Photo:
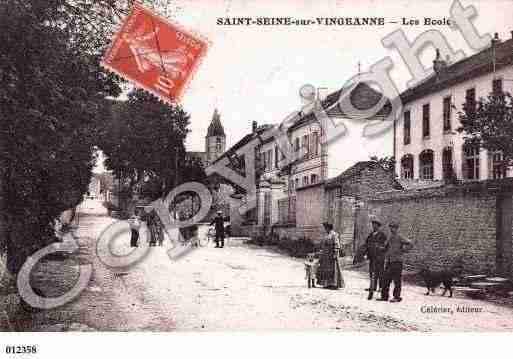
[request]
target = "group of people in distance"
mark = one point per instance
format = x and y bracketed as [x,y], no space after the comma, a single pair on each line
[155,228]
[385,255]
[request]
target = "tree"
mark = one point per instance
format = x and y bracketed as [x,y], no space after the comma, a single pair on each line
[388,163]
[52,89]
[489,124]
[144,145]
[52,100]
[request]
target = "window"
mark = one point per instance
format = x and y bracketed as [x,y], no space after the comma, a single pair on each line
[296,144]
[425,120]
[447,168]
[497,87]
[315,143]
[470,100]
[291,184]
[498,169]
[447,113]
[306,145]
[426,165]
[276,156]
[407,128]
[407,167]
[313,178]
[305,180]
[471,162]
[296,184]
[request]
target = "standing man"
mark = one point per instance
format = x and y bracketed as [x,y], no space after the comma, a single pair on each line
[396,247]
[375,252]
[218,221]
[135,224]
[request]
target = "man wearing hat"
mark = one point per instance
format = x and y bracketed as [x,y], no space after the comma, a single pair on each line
[218,221]
[396,247]
[375,252]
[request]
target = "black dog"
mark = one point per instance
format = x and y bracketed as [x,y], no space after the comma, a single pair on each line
[433,279]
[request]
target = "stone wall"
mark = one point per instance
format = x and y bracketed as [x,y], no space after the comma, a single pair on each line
[466,224]
[345,199]
[313,233]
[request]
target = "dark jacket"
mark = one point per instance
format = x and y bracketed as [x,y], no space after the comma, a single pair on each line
[396,247]
[376,246]
[218,221]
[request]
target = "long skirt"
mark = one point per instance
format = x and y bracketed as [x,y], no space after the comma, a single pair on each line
[134,238]
[330,272]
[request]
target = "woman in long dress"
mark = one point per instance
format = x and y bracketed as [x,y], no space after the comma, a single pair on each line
[330,267]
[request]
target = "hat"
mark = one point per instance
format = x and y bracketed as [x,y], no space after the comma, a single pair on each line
[375,219]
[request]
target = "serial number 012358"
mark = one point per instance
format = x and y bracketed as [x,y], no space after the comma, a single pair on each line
[21,349]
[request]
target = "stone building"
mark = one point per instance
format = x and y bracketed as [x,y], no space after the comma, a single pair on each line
[242,222]
[290,191]
[456,204]
[291,197]
[426,143]
[346,198]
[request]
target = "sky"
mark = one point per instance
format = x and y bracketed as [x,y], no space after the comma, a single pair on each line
[254,73]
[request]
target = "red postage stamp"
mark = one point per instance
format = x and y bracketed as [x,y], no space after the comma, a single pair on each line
[154,53]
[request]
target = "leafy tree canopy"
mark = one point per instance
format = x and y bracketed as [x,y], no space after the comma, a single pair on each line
[489,124]
[144,142]
[386,162]
[52,99]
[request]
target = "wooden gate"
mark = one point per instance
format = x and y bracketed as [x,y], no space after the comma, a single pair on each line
[351,221]
[345,219]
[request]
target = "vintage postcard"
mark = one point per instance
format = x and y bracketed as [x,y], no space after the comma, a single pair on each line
[223,166]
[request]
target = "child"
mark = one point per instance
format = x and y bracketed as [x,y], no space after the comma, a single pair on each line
[311,265]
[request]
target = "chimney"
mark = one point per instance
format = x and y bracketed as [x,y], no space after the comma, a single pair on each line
[511,32]
[438,63]
[255,126]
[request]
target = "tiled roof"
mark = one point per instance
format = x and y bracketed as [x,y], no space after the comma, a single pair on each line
[351,172]
[215,128]
[468,68]
[362,97]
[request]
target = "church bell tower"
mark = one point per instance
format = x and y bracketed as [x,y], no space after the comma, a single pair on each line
[215,141]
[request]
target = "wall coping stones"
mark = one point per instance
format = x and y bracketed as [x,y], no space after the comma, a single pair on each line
[476,188]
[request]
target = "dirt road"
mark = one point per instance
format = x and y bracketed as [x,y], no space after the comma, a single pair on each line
[240,287]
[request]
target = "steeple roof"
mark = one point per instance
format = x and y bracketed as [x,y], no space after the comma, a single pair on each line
[215,128]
